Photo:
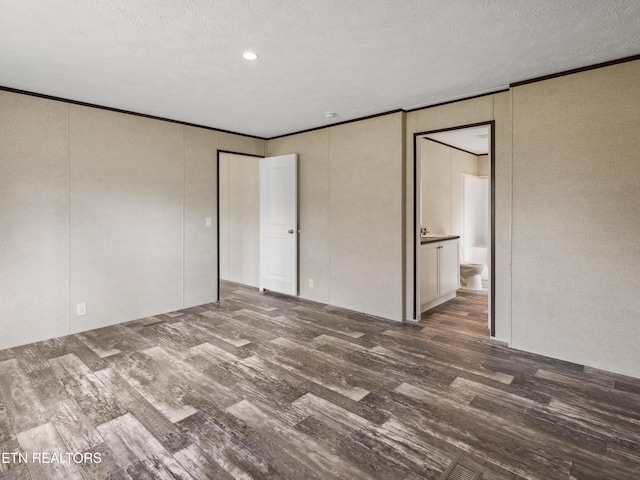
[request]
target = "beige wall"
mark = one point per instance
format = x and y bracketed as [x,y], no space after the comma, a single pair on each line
[240,219]
[350,208]
[483,166]
[576,198]
[365,176]
[200,259]
[126,180]
[106,209]
[34,219]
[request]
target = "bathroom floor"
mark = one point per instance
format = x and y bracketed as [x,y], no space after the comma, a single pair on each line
[468,313]
[484,291]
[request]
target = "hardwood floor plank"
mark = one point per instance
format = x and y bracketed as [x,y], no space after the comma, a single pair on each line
[106,469]
[199,466]
[254,380]
[373,464]
[49,388]
[502,445]
[317,461]
[96,401]
[407,454]
[40,444]
[16,472]
[303,384]
[161,390]
[119,387]
[77,431]
[68,365]
[19,396]
[132,445]
[222,440]
[358,373]
[30,358]
[99,342]
[167,433]
[625,405]
[191,378]
[333,380]
[8,442]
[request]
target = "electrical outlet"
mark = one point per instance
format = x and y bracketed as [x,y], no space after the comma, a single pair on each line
[311,283]
[208,221]
[81,309]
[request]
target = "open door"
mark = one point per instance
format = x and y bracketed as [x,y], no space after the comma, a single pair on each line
[279,224]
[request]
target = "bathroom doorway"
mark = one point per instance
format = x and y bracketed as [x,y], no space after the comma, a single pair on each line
[454,200]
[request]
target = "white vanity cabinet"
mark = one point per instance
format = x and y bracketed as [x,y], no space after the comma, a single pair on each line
[439,272]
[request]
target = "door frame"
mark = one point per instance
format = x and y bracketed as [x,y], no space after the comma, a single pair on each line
[218,152]
[416,226]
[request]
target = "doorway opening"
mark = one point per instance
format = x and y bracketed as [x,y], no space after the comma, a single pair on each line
[454,208]
[257,221]
[238,218]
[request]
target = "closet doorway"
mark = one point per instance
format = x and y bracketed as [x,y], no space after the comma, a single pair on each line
[238,218]
[258,221]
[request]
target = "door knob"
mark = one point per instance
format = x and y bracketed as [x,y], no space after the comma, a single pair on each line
[291,232]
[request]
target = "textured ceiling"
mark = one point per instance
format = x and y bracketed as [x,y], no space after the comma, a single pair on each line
[473,139]
[182,59]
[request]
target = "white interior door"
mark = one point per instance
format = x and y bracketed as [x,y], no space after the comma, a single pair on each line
[279,224]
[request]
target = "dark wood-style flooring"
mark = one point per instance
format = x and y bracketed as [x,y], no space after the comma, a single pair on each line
[267,387]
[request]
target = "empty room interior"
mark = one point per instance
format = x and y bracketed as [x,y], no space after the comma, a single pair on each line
[320,240]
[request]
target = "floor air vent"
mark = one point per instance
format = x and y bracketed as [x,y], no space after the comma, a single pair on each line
[458,471]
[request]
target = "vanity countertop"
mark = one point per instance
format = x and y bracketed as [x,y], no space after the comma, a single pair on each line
[437,238]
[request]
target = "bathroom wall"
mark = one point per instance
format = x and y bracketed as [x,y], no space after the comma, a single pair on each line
[106,209]
[461,162]
[435,188]
[483,165]
[240,219]
[441,172]
[475,235]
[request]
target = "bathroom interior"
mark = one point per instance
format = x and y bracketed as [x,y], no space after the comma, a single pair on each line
[455,201]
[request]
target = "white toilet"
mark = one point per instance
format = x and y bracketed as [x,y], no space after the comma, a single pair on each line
[472,266]
[471,275]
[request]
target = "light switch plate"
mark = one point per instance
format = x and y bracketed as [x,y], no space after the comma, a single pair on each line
[81,309]
[209,222]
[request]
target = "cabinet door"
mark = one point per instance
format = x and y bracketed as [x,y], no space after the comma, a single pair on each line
[428,272]
[449,267]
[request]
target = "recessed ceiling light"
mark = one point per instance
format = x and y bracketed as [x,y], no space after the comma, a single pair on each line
[330,115]
[250,55]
